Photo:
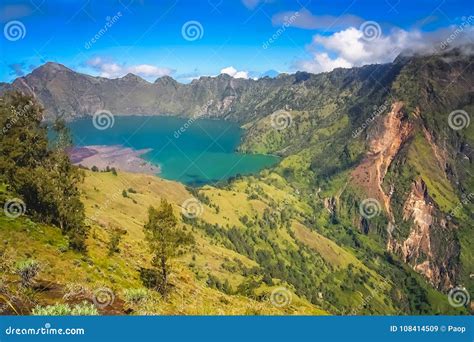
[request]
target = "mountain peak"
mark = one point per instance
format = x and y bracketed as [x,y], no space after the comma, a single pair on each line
[53,66]
[132,77]
[165,80]
[270,73]
[224,76]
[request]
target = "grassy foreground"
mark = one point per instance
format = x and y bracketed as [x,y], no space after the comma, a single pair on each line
[70,277]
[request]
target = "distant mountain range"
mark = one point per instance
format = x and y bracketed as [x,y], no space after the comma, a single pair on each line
[69,94]
[384,133]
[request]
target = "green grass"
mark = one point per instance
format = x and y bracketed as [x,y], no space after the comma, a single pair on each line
[422,158]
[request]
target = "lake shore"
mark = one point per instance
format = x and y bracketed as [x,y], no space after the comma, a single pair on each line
[116,156]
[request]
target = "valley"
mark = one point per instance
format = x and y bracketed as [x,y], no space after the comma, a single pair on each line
[316,220]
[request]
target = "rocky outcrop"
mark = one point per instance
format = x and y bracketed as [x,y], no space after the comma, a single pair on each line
[431,247]
[386,140]
[330,204]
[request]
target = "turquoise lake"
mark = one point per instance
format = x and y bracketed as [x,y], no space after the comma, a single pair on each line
[204,153]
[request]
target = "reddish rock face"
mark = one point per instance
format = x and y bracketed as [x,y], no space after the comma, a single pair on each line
[430,247]
[390,135]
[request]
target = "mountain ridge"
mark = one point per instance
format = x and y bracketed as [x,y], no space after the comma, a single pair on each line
[216,96]
[378,135]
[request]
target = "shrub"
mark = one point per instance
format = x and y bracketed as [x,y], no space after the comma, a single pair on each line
[82,309]
[114,241]
[27,269]
[135,296]
[150,277]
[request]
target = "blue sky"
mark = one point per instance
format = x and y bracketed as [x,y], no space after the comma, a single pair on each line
[242,38]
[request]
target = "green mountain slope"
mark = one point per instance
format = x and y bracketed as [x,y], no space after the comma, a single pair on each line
[369,211]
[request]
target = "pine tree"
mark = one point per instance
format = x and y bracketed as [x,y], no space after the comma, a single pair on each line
[38,169]
[165,241]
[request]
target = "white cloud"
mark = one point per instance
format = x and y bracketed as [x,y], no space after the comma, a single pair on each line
[111,69]
[322,63]
[349,47]
[147,70]
[306,20]
[231,71]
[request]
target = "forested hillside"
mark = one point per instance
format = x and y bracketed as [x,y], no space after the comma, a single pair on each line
[369,211]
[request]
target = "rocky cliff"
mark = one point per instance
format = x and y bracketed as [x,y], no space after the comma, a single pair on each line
[381,132]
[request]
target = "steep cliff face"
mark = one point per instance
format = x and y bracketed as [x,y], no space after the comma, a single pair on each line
[386,140]
[431,247]
[407,157]
[418,166]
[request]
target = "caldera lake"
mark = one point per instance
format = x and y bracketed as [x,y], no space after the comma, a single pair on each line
[193,152]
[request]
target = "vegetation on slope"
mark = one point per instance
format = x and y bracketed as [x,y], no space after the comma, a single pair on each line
[293,233]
